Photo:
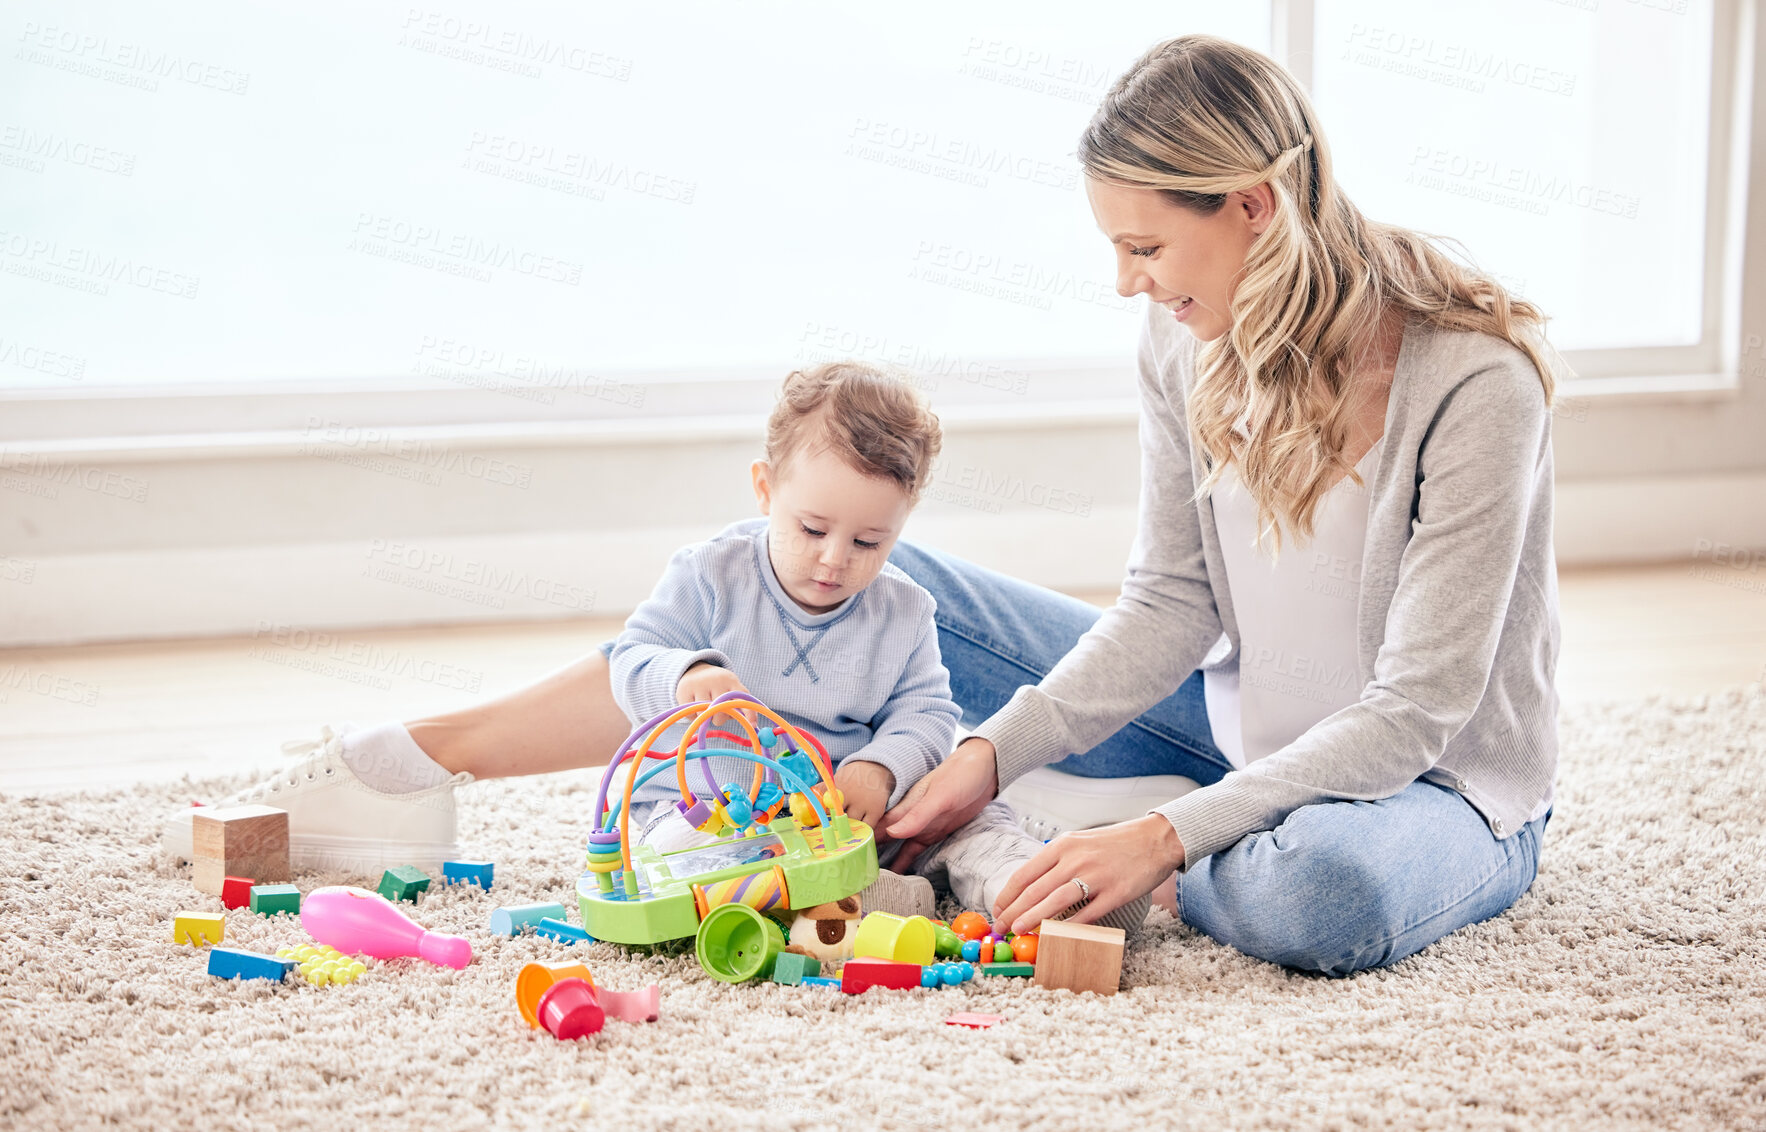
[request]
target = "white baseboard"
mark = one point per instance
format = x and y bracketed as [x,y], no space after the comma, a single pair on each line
[232,591]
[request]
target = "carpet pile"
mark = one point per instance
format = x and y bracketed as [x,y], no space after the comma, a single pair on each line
[1623,991]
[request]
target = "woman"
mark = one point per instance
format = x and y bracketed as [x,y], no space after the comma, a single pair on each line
[1340,612]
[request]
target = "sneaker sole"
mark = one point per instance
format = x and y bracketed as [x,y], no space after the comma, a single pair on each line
[366,855]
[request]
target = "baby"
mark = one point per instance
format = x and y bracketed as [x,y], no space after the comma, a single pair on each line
[801,610]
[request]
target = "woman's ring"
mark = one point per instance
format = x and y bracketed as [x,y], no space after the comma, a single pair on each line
[1084,890]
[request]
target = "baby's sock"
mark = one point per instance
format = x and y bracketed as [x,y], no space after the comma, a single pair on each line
[388,759]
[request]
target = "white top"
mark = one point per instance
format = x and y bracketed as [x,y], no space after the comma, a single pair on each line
[1297,621]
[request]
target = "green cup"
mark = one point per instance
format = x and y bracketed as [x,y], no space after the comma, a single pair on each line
[735,943]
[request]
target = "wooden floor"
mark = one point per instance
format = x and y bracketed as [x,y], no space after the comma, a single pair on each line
[108,715]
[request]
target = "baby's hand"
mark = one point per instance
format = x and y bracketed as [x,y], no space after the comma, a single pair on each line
[866,787]
[708,681]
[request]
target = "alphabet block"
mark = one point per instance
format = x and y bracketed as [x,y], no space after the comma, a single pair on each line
[236,892]
[1079,957]
[242,841]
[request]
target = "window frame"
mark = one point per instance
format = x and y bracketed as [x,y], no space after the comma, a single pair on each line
[203,414]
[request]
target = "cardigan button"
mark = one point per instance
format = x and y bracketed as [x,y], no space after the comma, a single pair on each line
[1498,825]
[1459,784]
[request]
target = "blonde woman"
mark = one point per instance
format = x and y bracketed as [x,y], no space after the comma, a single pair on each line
[1340,615]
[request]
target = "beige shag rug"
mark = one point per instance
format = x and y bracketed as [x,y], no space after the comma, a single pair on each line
[1626,990]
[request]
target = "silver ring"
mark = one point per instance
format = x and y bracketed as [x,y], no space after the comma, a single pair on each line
[1084,890]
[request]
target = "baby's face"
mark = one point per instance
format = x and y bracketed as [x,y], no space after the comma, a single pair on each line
[831,527]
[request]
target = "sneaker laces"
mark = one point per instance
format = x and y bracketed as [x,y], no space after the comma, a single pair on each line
[1040,828]
[318,753]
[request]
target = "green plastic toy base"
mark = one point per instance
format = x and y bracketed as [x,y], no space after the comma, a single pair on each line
[668,911]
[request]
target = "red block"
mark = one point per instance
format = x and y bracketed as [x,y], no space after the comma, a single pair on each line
[974,1021]
[860,975]
[236,892]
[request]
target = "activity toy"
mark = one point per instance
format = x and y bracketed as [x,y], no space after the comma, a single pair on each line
[357,921]
[275,899]
[232,963]
[244,841]
[784,843]
[1079,957]
[403,882]
[511,919]
[198,929]
[468,872]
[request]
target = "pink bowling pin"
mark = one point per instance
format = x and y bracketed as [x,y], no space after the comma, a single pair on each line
[356,921]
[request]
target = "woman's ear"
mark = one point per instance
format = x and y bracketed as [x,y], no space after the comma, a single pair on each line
[762,472]
[1257,203]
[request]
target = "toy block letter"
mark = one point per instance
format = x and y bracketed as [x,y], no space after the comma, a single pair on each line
[1079,957]
[242,841]
[198,929]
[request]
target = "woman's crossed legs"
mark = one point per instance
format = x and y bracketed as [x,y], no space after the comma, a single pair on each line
[1337,887]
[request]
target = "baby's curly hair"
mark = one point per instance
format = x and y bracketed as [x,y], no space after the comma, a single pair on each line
[874,420]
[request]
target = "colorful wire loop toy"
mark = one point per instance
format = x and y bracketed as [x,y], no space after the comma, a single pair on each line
[785,842]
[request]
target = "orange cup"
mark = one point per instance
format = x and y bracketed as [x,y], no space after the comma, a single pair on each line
[536,979]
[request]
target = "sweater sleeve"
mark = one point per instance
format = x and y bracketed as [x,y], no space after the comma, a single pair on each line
[918,723]
[1163,623]
[1476,468]
[666,635]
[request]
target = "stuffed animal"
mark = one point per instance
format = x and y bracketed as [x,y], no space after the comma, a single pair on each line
[827,931]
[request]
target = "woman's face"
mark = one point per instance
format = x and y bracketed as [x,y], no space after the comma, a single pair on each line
[1172,254]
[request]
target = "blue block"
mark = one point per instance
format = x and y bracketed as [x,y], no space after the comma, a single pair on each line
[511,919]
[232,963]
[561,931]
[819,981]
[468,872]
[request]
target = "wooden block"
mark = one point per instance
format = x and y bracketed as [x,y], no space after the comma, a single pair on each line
[468,872]
[236,892]
[974,1021]
[791,968]
[275,899]
[860,975]
[403,882]
[1079,957]
[199,929]
[242,841]
[232,963]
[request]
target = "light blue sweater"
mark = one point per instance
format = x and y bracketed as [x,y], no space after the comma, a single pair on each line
[864,678]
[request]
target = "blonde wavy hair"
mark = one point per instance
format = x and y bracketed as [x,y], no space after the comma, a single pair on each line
[1198,117]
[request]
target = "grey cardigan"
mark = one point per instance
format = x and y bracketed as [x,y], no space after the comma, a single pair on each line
[1457,614]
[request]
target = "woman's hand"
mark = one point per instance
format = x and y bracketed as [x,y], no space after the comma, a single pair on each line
[937,805]
[865,788]
[1118,862]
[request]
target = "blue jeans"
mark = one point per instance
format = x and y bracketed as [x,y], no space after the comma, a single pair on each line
[1337,887]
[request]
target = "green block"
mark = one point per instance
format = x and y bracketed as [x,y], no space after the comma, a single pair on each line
[271,899]
[791,968]
[1016,970]
[403,882]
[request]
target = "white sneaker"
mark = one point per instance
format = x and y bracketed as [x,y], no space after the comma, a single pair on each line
[337,822]
[1050,802]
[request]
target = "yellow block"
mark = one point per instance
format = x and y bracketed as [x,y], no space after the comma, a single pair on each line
[199,929]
